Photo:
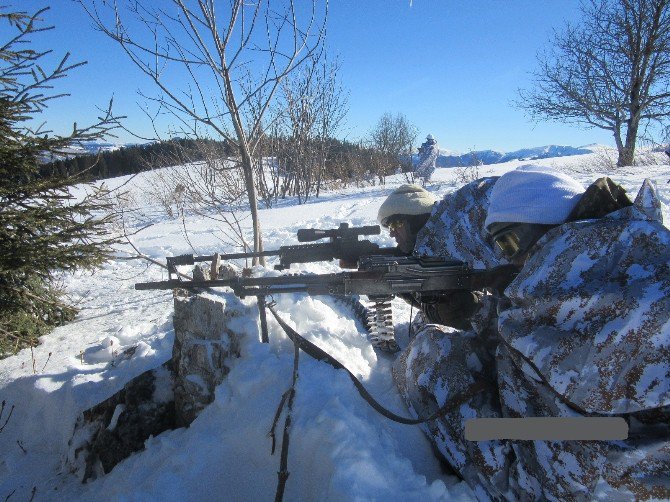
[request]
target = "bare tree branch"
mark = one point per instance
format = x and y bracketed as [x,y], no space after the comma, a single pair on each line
[216,49]
[611,72]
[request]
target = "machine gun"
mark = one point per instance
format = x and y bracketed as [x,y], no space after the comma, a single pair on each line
[378,277]
[343,244]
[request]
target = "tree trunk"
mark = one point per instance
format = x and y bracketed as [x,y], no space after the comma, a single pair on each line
[247,168]
[627,150]
[318,178]
[626,157]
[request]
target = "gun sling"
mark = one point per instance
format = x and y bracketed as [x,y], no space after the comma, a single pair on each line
[320,355]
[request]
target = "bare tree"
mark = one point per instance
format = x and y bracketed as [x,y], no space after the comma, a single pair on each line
[610,72]
[392,140]
[349,163]
[208,185]
[296,154]
[312,107]
[233,58]
[332,103]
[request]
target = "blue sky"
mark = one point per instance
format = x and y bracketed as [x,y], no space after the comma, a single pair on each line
[451,66]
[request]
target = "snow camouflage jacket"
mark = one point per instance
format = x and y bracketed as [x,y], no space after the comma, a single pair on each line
[455,229]
[441,362]
[428,153]
[586,333]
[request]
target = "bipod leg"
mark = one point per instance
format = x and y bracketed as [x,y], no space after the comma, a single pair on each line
[264,322]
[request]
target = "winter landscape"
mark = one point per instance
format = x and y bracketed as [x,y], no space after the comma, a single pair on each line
[341,449]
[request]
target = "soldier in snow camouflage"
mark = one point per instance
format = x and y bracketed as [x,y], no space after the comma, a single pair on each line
[442,361]
[587,333]
[411,214]
[583,330]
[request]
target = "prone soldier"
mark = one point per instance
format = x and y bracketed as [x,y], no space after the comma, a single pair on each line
[582,331]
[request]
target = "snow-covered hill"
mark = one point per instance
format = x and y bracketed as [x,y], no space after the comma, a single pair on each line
[485,157]
[86,148]
[340,448]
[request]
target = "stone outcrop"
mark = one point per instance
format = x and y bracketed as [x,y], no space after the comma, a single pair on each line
[166,397]
[204,347]
[117,427]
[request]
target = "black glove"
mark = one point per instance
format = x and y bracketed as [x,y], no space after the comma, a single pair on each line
[454,308]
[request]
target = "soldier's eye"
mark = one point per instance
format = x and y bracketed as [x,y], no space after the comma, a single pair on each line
[508,243]
[395,225]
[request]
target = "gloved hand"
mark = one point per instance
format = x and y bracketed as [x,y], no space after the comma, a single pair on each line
[454,308]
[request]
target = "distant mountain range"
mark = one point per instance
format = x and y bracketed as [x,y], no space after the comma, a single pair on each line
[482,157]
[86,148]
[96,146]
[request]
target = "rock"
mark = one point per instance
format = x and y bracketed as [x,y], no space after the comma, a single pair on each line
[201,273]
[114,429]
[166,397]
[228,271]
[203,347]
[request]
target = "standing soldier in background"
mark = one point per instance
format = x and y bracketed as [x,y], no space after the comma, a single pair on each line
[428,153]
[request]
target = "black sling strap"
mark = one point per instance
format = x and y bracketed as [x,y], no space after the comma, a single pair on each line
[320,355]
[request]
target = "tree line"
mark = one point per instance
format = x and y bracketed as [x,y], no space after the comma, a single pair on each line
[131,159]
[296,163]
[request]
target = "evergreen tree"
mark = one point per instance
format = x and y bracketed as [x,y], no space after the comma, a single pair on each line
[43,229]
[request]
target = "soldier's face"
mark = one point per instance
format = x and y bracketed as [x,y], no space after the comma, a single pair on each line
[403,236]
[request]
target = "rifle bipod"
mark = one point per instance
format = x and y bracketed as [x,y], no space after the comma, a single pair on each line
[262,303]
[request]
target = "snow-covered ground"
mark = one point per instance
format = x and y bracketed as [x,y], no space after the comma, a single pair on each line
[340,448]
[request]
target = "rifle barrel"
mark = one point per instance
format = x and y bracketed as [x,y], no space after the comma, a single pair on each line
[233,256]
